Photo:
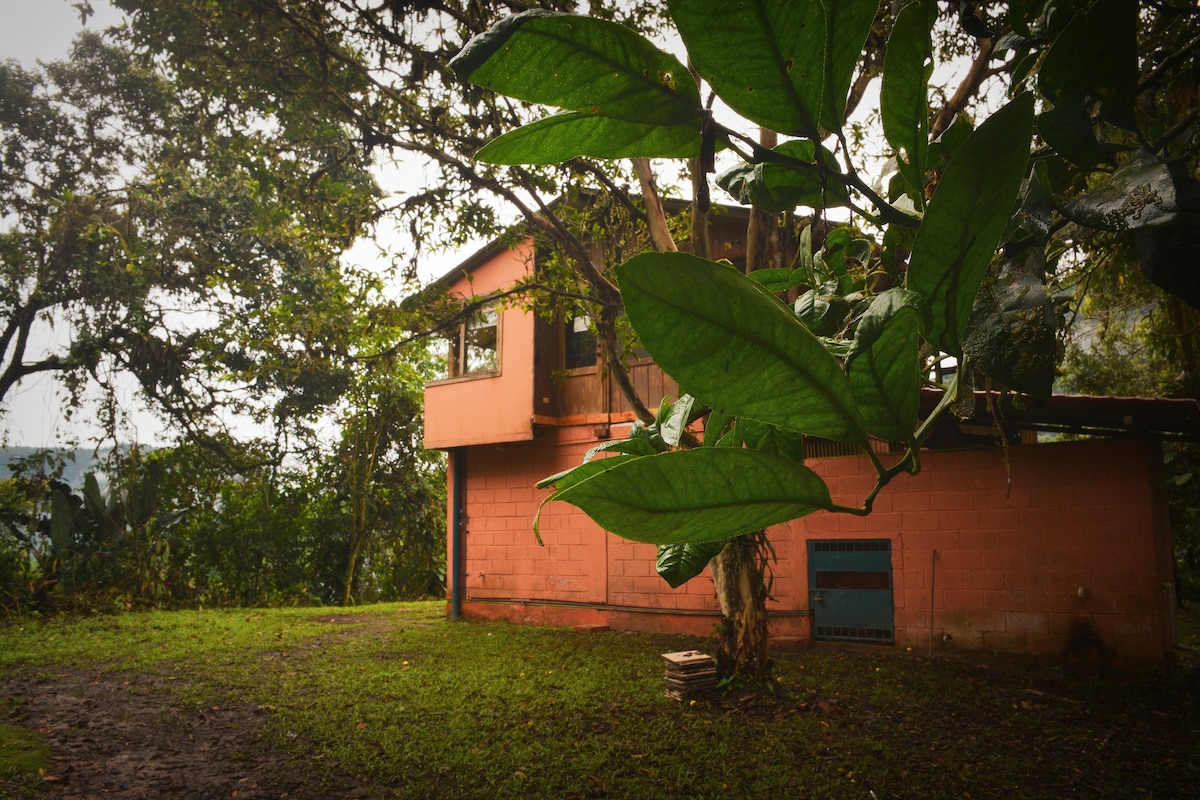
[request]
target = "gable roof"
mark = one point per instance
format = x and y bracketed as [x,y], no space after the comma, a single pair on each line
[502,243]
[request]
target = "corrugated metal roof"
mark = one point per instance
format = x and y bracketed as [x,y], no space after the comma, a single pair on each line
[1163,418]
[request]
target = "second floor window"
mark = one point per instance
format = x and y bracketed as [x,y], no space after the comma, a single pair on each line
[473,347]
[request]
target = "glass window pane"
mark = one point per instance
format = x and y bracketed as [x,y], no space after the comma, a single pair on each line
[482,341]
[829,579]
[580,344]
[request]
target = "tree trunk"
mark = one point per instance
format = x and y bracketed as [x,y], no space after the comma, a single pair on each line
[762,234]
[660,234]
[351,564]
[739,576]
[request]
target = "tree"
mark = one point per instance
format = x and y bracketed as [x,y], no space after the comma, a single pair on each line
[964,235]
[380,70]
[195,248]
[193,237]
[388,494]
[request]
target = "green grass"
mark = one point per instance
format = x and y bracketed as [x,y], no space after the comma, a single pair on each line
[141,640]
[425,708]
[23,758]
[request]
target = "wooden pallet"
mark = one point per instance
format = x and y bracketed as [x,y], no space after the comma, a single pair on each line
[689,672]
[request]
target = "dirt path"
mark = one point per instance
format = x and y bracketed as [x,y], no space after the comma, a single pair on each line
[121,735]
[124,735]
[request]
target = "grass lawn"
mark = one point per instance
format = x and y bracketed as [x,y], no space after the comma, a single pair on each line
[414,706]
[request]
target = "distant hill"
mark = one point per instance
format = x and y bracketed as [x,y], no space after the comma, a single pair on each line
[78,462]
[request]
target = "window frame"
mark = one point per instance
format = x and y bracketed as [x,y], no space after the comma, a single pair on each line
[568,329]
[459,344]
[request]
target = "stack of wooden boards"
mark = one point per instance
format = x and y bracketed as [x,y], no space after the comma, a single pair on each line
[689,672]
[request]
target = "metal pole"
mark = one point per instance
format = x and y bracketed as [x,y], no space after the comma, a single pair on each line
[458,520]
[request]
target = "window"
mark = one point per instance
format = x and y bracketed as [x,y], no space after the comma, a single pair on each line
[579,343]
[473,347]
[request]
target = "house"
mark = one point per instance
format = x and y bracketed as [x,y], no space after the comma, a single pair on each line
[1032,547]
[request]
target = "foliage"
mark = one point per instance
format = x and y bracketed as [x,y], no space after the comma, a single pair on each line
[91,549]
[190,229]
[380,71]
[387,501]
[963,232]
[745,354]
[194,248]
[179,528]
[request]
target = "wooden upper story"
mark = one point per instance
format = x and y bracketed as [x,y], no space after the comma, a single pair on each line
[509,370]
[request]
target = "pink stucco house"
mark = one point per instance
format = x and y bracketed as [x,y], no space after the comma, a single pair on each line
[1037,549]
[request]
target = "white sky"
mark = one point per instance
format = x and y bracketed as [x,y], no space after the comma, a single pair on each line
[43,29]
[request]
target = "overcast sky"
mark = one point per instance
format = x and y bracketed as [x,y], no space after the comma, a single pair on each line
[42,29]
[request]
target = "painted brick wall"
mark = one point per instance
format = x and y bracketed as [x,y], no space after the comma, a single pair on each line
[579,564]
[1005,549]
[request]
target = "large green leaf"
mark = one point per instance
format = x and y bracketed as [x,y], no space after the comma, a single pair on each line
[565,136]
[1160,204]
[771,439]
[1095,58]
[92,496]
[581,64]
[679,563]
[60,521]
[1068,129]
[673,418]
[1012,334]
[884,365]
[785,64]
[699,495]
[822,310]
[966,217]
[903,106]
[778,187]
[590,467]
[633,446]
[732,345]
[1143,192]
[779,279]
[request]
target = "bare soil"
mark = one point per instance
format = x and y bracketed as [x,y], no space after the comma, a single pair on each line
[122,736]
[126,736]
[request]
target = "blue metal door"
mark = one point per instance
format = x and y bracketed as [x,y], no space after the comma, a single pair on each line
[850,590]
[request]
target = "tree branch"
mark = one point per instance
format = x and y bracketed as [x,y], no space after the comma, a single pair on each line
[967,89]
[660,234]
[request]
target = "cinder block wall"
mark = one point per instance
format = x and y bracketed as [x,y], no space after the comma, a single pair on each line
[1006,549]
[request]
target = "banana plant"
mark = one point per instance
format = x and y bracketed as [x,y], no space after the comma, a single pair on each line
[121,532]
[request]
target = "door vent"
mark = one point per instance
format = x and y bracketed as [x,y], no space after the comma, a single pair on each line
[853,546]
[854,634]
